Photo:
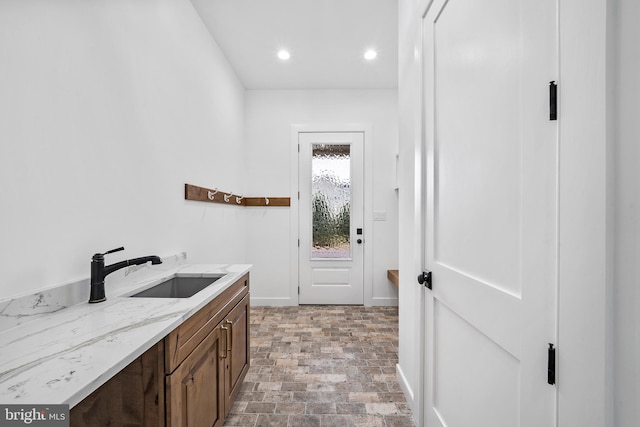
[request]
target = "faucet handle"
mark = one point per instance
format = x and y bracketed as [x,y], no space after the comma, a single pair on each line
[121,248]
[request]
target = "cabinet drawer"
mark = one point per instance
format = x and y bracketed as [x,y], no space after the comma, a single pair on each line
[186,337]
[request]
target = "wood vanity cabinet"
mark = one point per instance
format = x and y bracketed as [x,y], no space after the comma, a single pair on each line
[189,379]
[201,388]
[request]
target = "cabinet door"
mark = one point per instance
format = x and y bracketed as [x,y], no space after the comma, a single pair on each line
[237,361]
[195,390]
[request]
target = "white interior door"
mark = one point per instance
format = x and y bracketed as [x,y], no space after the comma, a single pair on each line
[491,212]
[331,218]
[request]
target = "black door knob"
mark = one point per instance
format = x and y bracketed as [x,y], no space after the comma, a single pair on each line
[424,278]
[359,241]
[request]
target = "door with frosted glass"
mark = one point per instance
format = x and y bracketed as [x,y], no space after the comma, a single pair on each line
[331,218]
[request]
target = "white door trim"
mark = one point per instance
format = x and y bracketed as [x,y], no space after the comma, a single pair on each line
[586,217]
[368,202]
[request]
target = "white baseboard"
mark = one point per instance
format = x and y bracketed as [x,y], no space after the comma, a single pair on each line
[286,302]
[272,302]
[384,302]
[404,385]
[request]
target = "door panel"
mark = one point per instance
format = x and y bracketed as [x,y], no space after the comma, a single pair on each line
[491,211]
[331,276]
[331,213]
[469,298]
[495,372]
[477,63]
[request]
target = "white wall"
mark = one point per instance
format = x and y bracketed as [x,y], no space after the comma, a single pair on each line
[269,117]
[627,234]
[107,108]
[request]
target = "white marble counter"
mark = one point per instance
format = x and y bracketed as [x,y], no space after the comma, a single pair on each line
[63,356]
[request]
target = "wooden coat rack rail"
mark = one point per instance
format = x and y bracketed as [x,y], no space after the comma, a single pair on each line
[202,194]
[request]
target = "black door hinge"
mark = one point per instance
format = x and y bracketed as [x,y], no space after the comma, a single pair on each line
[553,101]
[424,278]
[551,365]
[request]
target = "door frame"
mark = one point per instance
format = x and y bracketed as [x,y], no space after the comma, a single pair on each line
[294,230]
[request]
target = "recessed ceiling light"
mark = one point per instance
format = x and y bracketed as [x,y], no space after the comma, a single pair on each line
[284,54]
[370,55]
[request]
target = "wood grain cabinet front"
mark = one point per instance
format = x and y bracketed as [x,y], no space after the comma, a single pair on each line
[133,397]
[188,379]
[195,390]
[202,389]
[236,326]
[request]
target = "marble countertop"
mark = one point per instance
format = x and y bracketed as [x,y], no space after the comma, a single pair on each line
[61,357]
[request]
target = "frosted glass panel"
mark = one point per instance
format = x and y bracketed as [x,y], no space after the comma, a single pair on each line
[331,200]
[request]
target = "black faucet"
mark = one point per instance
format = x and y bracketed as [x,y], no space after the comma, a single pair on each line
[99,271]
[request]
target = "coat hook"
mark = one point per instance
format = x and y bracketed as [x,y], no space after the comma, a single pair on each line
[211,195]
[227,197]
[266,201]
[239,199]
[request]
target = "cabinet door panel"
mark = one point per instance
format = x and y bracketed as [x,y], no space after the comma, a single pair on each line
[195,396]
[237,362]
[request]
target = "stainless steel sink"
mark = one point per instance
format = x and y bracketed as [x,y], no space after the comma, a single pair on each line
[179,287]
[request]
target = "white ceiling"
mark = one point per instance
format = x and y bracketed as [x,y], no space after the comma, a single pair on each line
[326,38]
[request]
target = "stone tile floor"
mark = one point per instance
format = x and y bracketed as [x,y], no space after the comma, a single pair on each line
[321,366]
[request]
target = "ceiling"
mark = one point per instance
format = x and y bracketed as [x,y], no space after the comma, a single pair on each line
[326,38]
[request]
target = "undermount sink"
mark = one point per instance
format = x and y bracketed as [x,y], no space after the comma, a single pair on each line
[178,287]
